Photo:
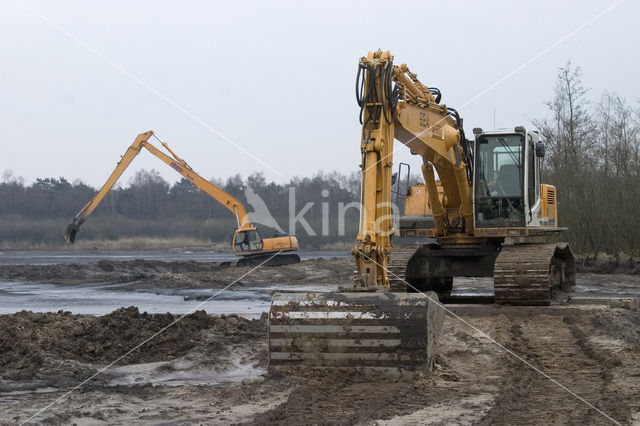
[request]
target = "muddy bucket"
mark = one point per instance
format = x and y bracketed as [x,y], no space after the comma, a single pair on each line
[393,334]
[70,233]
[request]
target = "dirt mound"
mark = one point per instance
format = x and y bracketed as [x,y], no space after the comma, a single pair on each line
[620,326]
[345,400]
[28,340]
[157,266]
[182,274]
[337,271]
[104,271]
[608,265]
[51,273]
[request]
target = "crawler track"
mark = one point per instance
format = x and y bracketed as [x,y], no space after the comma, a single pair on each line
[397,266]
[534,274]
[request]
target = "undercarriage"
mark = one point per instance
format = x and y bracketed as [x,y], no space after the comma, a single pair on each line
[523,273]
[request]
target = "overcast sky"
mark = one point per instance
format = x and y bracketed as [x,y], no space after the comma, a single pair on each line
[276,78]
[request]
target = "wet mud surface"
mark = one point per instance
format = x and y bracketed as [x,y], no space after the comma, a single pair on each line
[211,369]
[31,342]
[590,350]
[142,273]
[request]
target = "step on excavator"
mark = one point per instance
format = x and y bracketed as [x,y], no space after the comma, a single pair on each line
[247,243]
[487,215]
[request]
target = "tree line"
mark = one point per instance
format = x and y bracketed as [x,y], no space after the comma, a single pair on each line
[593,158]
[149,206]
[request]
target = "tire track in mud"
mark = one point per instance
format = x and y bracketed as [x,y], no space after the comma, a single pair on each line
[527,397]
[341,400]
[517,380]
[613,339]
[566,346]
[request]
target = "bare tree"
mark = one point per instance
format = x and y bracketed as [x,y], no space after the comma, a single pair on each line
[594,159]
[570,134]
[619,175]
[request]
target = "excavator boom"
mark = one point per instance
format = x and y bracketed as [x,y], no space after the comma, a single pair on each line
[255,249]
[176,163]
[366,328]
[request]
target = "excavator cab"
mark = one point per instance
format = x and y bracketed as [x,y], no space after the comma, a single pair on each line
[507,178]
[254,250]
[246,241]
[499,180]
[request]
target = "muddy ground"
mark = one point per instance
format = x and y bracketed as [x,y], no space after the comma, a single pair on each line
[593,351]
[158,274]
[212,369]
[621,277]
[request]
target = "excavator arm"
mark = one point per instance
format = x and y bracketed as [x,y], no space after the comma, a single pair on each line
[360,329]
[176,163]
[409,112]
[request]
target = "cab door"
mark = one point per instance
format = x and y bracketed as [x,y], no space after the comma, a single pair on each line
[499,180]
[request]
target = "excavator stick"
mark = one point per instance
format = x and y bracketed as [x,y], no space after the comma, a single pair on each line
[393,334]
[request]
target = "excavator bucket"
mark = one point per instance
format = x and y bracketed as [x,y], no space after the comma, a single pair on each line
[393,334]
[70,233]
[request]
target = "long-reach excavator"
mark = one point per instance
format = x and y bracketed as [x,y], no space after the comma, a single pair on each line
[487,215]
[247,242]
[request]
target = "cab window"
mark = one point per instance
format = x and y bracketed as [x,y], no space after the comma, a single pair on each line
[248,241]
[499,181]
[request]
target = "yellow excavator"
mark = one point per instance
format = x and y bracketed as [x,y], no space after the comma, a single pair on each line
[485,215]
[247,242]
